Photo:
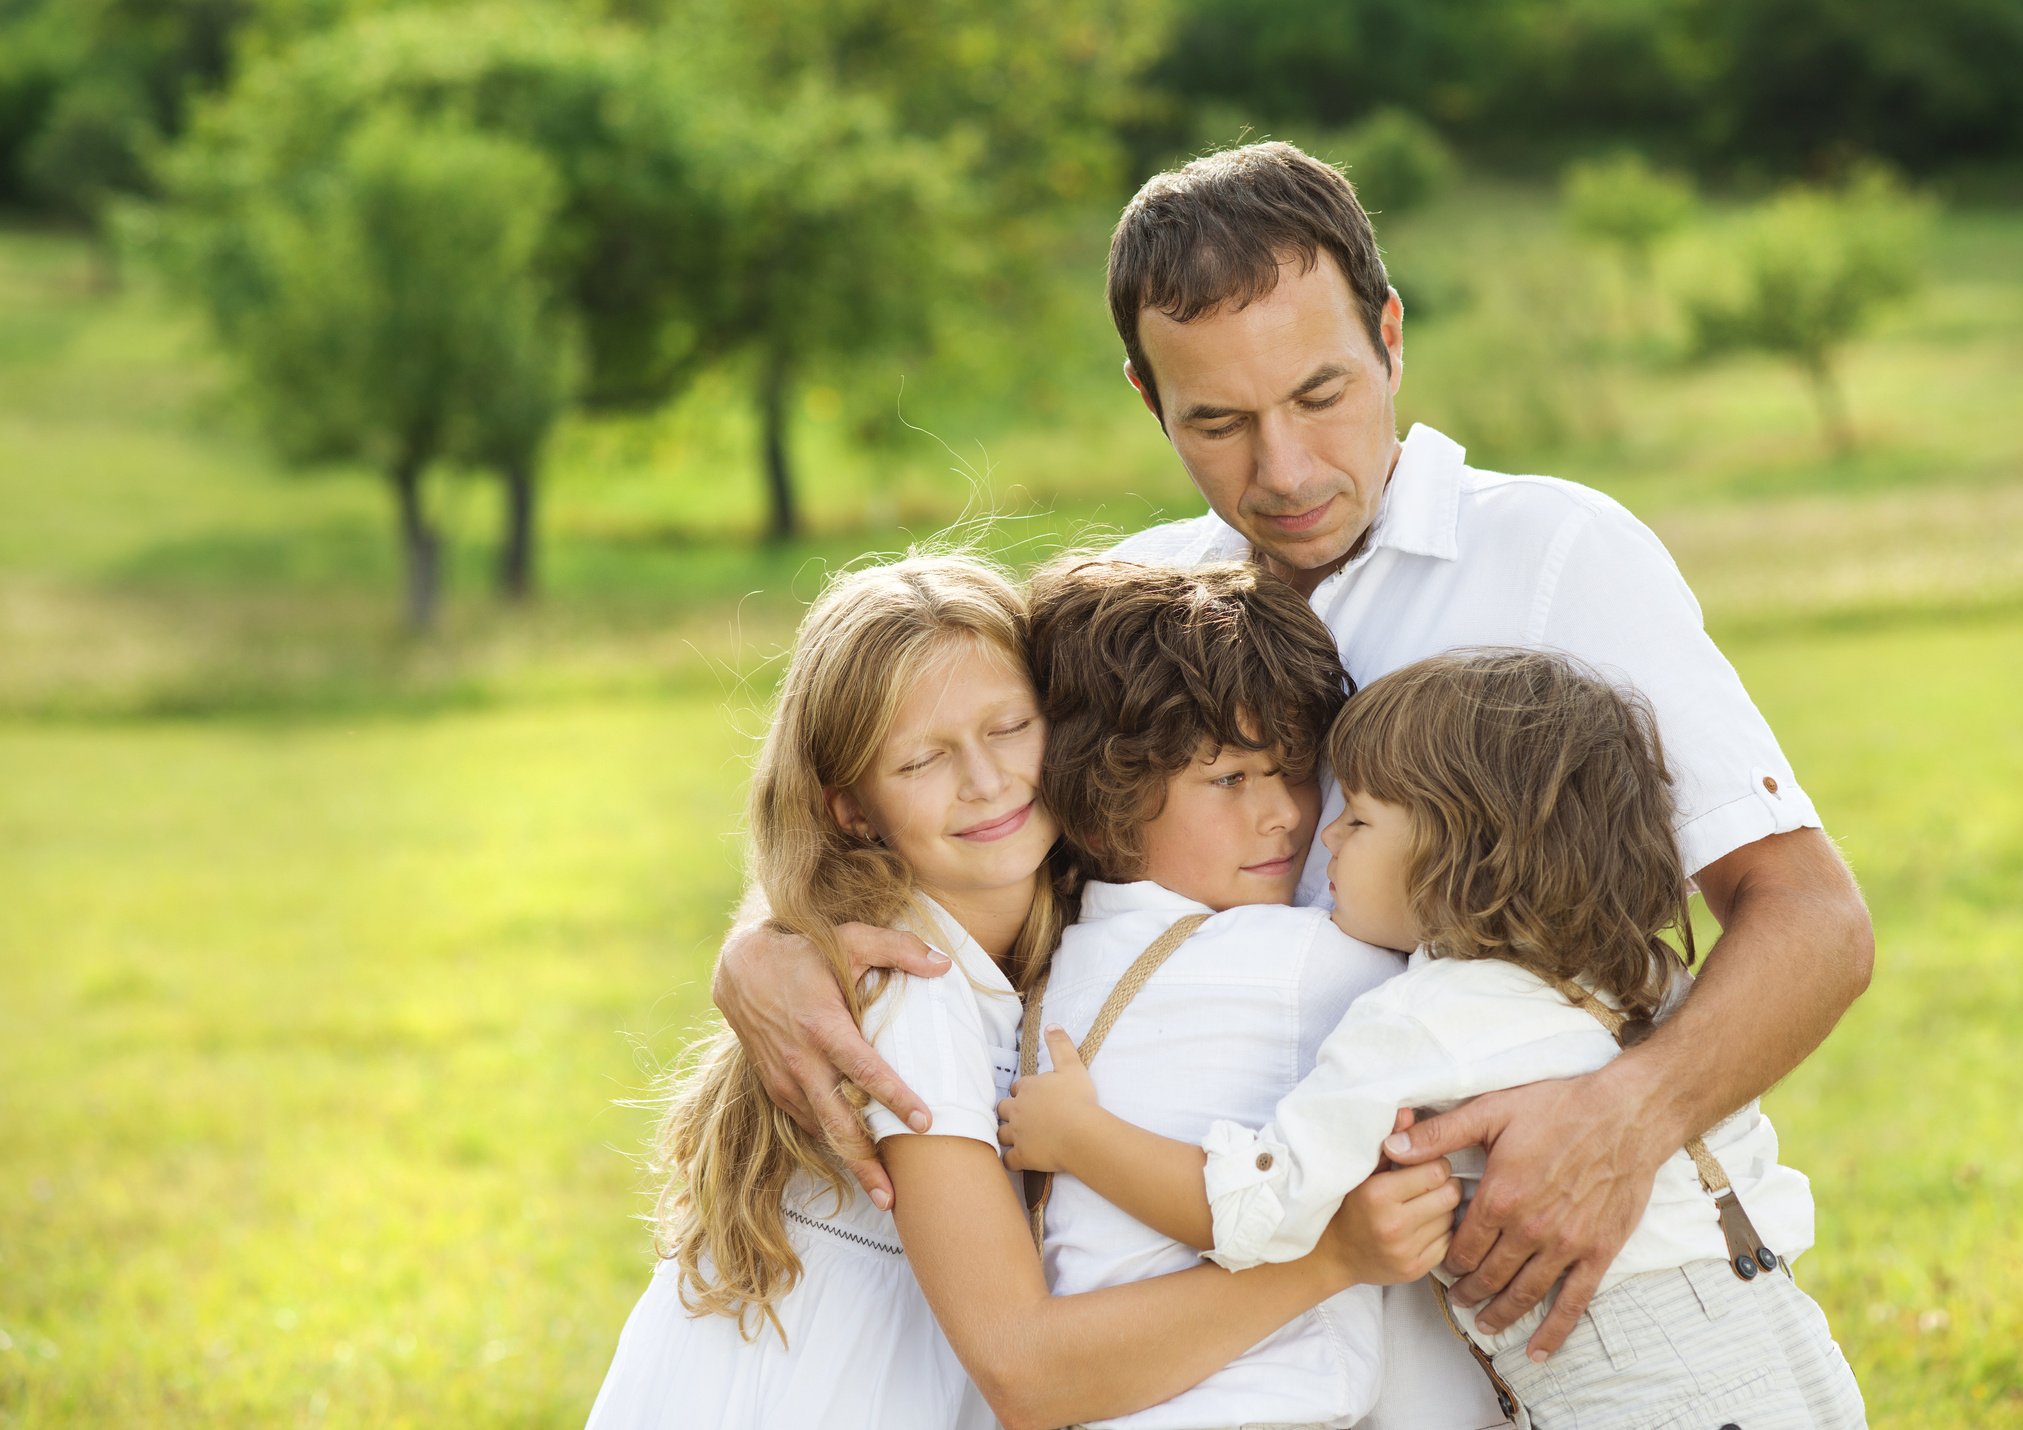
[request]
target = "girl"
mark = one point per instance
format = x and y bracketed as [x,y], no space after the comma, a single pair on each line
[1509,818]
[898,784]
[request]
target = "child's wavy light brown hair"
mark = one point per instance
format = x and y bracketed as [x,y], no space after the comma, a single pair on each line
[1140,667]
[1542,816]
[728,1152]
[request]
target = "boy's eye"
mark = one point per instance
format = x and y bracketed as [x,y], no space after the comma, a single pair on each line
[915,766]
[1230,781]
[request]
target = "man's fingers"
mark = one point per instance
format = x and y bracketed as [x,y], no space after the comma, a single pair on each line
[1504,1261]
[1532,1284]
[869,947]
[845,1134]
[1468,1125]
[1581,1284]
[843,1044]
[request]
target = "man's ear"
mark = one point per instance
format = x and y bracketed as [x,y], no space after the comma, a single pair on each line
[1144,393]
[848,814]
[1393,328]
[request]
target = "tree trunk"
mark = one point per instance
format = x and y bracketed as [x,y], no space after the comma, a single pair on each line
[421,550]
[1832,405]
[783,521]
[516,551]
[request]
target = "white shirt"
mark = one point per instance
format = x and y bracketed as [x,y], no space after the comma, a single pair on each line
[1440,1033]
[955,1042]
[1460,557]
[1226,1027]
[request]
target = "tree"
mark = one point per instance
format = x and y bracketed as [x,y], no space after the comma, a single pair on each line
[1802,275]
[785,186]
[392,308]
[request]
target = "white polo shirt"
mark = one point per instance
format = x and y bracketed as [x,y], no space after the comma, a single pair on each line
[1460,557]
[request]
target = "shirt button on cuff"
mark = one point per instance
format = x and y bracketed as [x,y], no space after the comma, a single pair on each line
[1770,783]
[1264,1161]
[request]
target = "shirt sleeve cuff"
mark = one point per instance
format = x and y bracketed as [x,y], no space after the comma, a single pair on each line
[948,1122]
[1243,1175]
[1774,804]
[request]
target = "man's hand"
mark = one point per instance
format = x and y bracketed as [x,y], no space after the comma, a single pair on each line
[1038,1122]
[777,994]
[1395,1226]
[1571,1164]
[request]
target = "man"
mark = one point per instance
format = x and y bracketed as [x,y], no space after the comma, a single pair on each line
[1262,333]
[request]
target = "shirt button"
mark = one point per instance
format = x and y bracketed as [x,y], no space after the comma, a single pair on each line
[1770,784]
[1264,1161]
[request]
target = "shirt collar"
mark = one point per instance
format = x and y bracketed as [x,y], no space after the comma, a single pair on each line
[1105,901]
[951,938]
[1422,501]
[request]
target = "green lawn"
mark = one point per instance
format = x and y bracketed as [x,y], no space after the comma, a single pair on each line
[328,958]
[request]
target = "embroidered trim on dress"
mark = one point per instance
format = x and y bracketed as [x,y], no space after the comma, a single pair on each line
[837,1231]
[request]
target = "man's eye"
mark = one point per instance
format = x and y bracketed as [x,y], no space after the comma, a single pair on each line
[1319,404]
[1227,429]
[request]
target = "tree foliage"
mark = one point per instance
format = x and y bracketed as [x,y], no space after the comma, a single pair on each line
[393,308]
[1801,275]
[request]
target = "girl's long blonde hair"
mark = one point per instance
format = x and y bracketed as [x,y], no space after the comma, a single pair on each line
[727,1151]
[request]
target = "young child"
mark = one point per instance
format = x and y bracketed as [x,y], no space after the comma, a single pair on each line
[1509,818]
[1186,712]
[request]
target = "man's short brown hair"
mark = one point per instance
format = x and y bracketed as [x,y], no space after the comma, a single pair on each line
[1216,231]
[1139,668]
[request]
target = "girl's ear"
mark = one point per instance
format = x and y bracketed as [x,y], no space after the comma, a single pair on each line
[848,814]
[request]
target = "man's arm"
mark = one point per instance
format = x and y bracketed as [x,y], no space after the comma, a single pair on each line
[776,992]
[1571,1163]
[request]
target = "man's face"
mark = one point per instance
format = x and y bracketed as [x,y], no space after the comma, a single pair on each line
[1282,414]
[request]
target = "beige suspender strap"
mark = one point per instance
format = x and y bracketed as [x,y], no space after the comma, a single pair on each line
[1747,1254]
[1040,1185]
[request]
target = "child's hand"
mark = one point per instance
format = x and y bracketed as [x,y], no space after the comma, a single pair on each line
[1038,1122]
[1395,1226]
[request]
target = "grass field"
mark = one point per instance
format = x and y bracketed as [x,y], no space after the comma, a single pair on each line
[327,957]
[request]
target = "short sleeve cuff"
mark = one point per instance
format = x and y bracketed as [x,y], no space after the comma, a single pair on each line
[951,1121]
[1243,1174]
[1774,804]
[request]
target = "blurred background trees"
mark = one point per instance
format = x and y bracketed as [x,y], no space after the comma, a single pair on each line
[807,200]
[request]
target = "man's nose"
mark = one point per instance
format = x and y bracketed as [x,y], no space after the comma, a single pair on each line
[1283,463]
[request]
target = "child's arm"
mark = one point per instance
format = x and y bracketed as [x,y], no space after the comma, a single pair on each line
[1053,1123]
[1046,1360]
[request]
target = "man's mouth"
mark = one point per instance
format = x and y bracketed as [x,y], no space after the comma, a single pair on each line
[1300,521]
[998,828]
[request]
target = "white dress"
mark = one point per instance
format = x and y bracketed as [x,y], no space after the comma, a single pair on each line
[862,1350]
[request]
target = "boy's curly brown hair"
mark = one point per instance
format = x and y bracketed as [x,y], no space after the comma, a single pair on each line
[1542,815]
[1139,668]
